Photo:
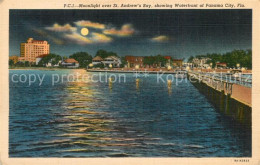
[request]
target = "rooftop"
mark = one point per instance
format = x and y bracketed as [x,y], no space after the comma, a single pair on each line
[177,59]
[97,58]
[112,57]
[43,55]
[71,60]
[167,57]
[37,41]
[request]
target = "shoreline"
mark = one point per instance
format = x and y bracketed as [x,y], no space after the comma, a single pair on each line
[42,68]
[132,71]
[128,70]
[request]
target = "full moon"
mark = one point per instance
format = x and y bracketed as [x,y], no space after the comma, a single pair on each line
[84,31]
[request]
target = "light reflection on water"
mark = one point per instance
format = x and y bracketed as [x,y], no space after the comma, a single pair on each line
[144,118]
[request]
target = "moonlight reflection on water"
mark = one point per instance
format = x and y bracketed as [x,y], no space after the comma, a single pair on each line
[144,119]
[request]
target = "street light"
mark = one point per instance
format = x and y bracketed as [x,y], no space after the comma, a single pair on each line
[110,65]
[238,65]
[187,68]
[169,67]
[90,65]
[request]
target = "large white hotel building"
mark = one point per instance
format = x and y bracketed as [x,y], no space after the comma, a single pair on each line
[32,49]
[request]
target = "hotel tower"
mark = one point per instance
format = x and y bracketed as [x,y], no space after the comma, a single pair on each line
[32,49]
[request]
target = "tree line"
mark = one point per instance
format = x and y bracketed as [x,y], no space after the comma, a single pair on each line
[242,57]
[83,58]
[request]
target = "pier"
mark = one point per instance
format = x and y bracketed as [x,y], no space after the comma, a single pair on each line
[230,98]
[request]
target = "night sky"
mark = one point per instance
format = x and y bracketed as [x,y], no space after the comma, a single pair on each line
[178,33]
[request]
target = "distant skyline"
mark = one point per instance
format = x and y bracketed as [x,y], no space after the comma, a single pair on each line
[177,33]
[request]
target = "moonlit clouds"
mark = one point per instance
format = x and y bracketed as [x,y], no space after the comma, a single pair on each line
[47,35]
[77,38]
[94,38]
[126,30]
[96,25]
[100,38]
[161,38]
[61,28]
[98,32]
[143,39]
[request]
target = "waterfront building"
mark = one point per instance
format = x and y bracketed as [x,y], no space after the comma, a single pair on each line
[132,61]
[221,65]
[97,60]
[14,58]
[32,49]
[200,62]
[70,63]
[187,64]
[169,60]
[39,58]
[113,60]
[49,64]
[177,62]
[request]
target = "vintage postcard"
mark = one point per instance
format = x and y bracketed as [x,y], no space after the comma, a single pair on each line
[129,82]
